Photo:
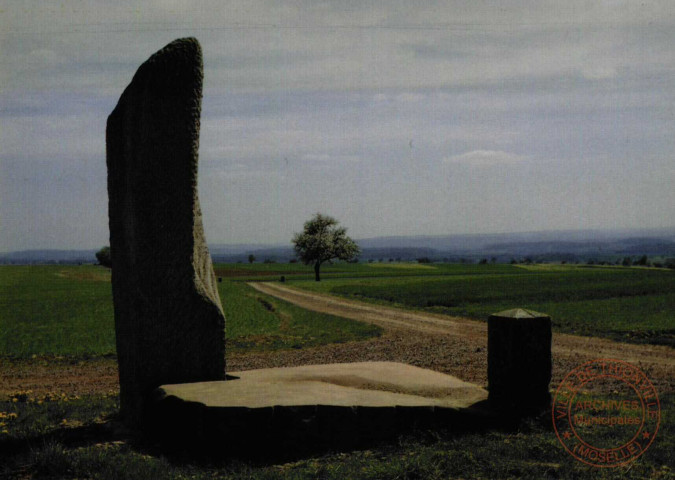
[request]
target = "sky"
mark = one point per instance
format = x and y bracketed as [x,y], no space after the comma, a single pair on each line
[395,117]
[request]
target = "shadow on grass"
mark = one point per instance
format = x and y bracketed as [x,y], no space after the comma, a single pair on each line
[250,445]
[525,448]
[109,430]
[300,433]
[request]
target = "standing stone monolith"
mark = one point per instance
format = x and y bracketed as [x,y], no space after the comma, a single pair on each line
[519,361]
[169,322]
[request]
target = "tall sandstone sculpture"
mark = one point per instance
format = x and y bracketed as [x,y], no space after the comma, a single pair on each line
[169,322]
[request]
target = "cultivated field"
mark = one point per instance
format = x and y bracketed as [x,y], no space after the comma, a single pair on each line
[58,391]
[68,311]
[625,304]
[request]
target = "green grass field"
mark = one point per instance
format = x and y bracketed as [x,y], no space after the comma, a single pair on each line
[628,304]
[68,310]
[298,271]
[257,321]
[60,310]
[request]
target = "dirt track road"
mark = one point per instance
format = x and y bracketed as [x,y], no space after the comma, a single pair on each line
[658,362]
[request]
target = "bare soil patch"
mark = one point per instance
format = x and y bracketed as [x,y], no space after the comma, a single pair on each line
[49,374]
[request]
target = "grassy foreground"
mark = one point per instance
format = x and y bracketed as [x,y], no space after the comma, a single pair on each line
[62,437]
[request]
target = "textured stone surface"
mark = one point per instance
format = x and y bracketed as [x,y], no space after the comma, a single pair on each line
[169,322]
[331,405]
[519,361]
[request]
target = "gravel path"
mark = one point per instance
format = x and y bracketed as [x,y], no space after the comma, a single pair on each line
[448,344]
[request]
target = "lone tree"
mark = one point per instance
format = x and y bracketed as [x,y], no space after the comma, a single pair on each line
[103,257]
[251,258]
[323,241]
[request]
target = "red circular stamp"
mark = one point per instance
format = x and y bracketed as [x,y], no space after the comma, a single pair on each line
[606,413]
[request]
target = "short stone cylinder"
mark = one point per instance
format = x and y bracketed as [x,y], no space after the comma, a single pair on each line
[519,362]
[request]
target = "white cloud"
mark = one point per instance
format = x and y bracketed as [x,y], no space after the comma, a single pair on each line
[324,157]
[486,158]
[411,97]
[316,157]
[55,138]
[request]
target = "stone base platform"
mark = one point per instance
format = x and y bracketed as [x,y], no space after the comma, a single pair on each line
[313,407]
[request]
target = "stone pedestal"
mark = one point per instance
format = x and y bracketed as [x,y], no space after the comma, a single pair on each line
[519,361]
[282,412]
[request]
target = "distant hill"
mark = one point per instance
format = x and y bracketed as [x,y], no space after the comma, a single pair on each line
[564,245]
[573,245]
[27,257]
[569,245]
[481,242]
